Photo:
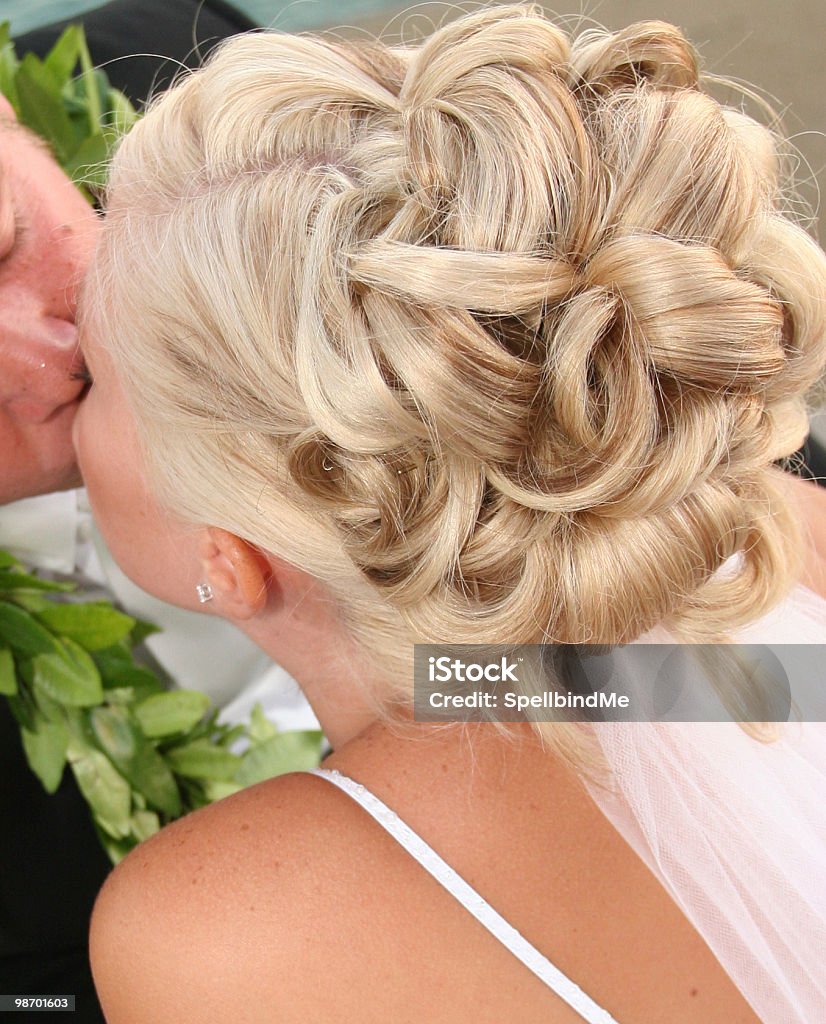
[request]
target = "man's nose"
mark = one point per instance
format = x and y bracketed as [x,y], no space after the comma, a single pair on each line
[37,363]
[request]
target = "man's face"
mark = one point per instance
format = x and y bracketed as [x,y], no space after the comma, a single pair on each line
[46,239]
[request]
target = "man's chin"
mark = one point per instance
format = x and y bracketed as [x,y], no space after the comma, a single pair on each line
[46,482]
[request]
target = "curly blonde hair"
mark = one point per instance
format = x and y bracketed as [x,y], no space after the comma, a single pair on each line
[497,336]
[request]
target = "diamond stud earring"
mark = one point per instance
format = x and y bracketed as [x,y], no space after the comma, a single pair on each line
[205,592]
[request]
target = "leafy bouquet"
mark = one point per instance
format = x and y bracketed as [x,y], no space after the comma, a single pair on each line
[142,754]
[78,114]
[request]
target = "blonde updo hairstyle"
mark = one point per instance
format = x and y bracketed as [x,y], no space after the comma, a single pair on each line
[497,336]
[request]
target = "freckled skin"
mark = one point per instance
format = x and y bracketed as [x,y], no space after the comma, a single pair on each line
[47,233]
[300,896]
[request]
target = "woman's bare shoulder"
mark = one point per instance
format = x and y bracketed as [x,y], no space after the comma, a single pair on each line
[288,902]
[217,916]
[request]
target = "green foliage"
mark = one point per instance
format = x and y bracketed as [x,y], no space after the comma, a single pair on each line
[94,626]
[283,752]
[201,760]
[45,748]
[142,755]
[17,626]
[67,102]
[8,678]
[166,713]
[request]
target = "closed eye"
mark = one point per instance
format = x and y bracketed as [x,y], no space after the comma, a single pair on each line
[82,373]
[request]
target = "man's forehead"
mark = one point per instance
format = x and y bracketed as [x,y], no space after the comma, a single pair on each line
[15,142]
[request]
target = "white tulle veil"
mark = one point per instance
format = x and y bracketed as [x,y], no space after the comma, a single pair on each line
[735,829]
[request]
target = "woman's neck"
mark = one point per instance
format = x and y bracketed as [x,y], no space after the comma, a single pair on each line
[325,665]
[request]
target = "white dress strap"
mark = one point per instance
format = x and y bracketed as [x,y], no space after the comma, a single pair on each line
[471,900]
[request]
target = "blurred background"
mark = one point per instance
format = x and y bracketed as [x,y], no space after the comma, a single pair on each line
[778,47]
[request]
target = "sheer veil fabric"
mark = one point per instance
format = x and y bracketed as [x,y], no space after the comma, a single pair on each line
[735,829]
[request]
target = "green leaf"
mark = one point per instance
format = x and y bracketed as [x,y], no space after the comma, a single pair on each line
[41,109]
[144,825]
[26,581]
[121,114]
[220,790]
[45,748]
[88,163]
[118,669]
[202,760]
[8,66]
[193,793]
[140,680]
[105,790]
[31,601]
[115,733]
[287,752]
[135,758]
[93,85]
[236,732]
[8,561]
[8,674]
[23,633]
[171,712]
[112,660]
[208,728]
[25,672]
[70,677]
[116,848]
[24,710]
[122,696]
[50,709]
[95,626]
[141,631]
[64,55]
[261,728]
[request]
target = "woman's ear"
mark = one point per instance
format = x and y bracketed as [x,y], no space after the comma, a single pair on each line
[238,574]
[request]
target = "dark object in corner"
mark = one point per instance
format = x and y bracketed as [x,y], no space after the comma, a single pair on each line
[140,42]
[813,464]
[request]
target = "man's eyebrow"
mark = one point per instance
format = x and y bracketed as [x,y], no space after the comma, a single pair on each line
[21,129]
